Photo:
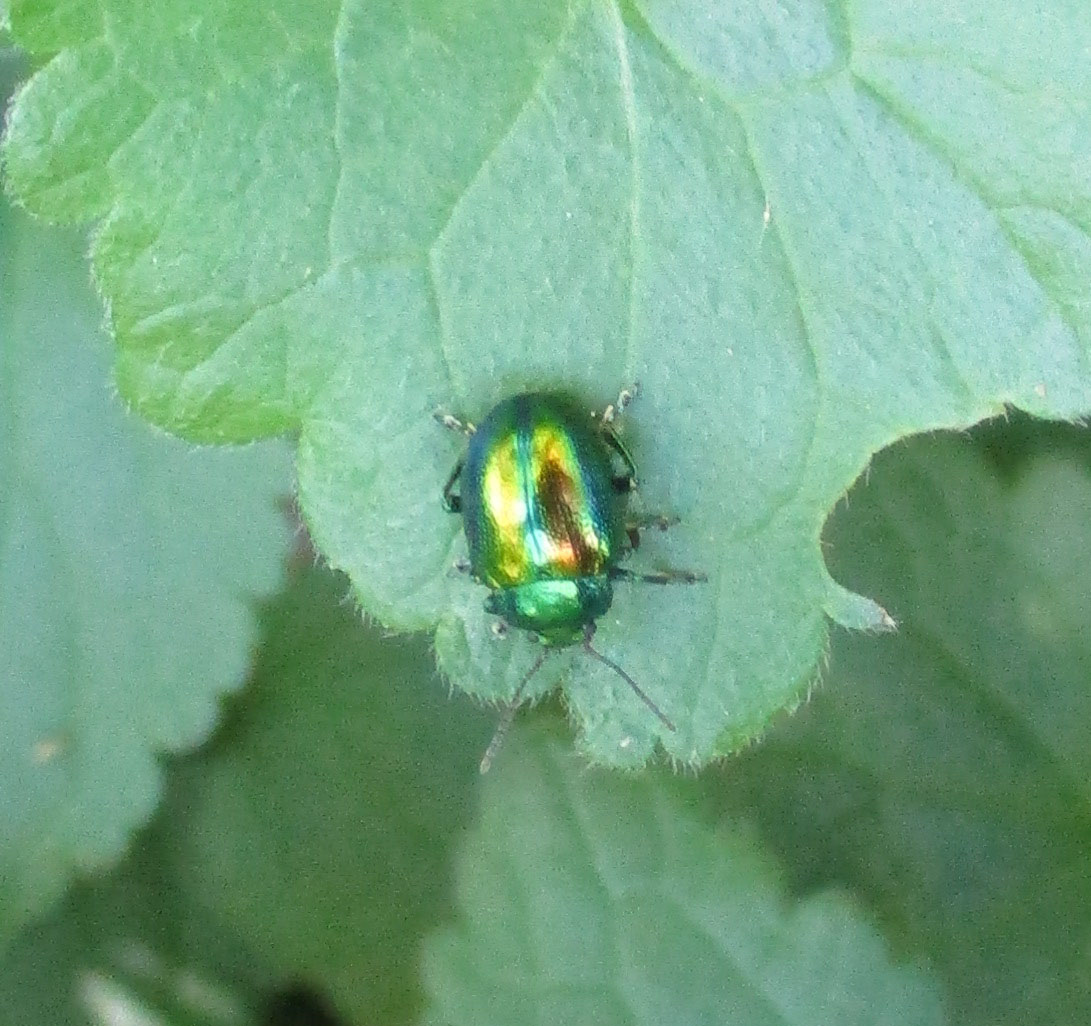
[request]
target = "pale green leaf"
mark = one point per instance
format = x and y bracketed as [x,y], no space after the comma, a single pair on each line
[128,566]
[808,230]
[588,898]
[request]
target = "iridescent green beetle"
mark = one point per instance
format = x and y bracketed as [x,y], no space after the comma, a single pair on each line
[542,491]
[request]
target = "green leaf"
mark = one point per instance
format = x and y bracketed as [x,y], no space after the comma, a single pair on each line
[944,774]
[808,233]
[12,68]
[318,826]
[127,949]
[127,567]
[594,899]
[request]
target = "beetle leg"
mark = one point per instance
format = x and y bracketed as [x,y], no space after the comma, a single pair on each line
[650,521]
[463,427]
[451,502]
[659,576]
[623,483]
[615,410]
[646,522]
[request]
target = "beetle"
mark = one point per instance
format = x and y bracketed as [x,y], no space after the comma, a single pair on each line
[542,490]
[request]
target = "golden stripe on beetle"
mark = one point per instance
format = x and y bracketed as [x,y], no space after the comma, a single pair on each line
[542,492]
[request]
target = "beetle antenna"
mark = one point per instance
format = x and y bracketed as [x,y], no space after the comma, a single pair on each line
[589,633]
[509,714]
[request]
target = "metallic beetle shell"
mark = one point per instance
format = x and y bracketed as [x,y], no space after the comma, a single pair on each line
[538,502]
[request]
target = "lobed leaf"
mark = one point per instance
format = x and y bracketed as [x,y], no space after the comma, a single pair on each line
[807,231]
[127,567]
[592,899]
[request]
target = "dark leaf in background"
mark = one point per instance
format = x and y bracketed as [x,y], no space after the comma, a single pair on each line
[319,825]
[944,773]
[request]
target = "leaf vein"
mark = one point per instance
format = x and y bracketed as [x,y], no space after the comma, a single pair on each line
[493,147]
[628,96]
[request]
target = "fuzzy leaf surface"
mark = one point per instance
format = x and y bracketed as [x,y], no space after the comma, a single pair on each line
[807,231]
